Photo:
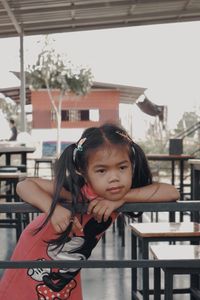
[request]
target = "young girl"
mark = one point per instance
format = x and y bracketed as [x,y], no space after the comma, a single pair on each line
[105,168]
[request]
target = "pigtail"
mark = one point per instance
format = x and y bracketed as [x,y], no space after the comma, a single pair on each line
[141,174]
[66,176]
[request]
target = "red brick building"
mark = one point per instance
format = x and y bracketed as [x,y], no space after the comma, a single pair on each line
[78,112]
[97,107]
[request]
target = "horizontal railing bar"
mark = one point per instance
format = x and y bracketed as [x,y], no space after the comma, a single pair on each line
[192,205]
[186,263]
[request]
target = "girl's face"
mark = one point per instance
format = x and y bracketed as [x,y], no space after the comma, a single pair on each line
[110,172]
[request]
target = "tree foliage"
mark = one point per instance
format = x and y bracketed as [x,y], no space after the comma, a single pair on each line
[188,120]
[52,71]
[9,108]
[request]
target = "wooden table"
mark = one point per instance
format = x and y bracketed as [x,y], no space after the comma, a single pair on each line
[143,234]
[9,151]
[172,252]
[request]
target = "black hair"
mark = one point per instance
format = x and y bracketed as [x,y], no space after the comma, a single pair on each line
[74,161]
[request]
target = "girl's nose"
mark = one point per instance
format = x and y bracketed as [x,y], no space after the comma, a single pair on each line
[114,176]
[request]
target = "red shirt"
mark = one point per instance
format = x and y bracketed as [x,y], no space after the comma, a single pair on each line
[46,284]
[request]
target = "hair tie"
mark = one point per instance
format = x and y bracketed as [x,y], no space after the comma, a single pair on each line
[79,147]
[133,149]
[124,135]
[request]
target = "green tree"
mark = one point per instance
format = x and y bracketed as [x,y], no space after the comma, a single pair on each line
[9,108]
[188,129]
[51,71]
[188,119]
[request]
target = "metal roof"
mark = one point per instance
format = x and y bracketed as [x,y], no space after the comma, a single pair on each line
[34,17]
[128,94]
[14,94]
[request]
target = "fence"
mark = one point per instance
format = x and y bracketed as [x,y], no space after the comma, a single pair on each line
[179,206]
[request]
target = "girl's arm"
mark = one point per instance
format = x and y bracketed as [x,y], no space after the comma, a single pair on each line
[155,192]
[38,192]
[31,190]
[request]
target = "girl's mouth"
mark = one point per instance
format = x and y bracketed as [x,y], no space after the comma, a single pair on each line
[114,190]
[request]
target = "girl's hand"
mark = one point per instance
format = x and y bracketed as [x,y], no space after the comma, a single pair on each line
[62,217]
[101,209]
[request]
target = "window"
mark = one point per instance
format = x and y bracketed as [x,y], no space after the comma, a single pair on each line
[94,115]
[65,115]
[74,115]
[84,115]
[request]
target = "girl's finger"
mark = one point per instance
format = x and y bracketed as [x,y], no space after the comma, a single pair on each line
[58,228]
[107,214]
[100,214]
[63,226]
[77,225]
[91,206]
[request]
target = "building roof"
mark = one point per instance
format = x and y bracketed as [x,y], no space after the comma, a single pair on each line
[128,94]
[52,16]
[14,94]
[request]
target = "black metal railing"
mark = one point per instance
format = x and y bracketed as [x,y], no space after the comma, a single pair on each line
[179,206]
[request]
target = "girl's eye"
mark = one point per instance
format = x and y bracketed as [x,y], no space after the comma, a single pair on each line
[123,167]
[101,171]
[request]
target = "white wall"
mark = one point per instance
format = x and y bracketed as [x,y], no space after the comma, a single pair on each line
[67,134]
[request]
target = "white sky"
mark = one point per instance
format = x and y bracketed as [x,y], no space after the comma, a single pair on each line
[165,59]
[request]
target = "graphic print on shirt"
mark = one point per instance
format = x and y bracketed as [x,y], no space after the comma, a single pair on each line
[58,285]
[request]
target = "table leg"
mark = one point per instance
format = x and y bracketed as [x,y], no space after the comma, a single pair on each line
[157,288]
[8,159]
[145,271]
[194,283]
[173,173]
[181,178]
[24,160]
[172,215]
[18,217]
[133,270]
[168,284]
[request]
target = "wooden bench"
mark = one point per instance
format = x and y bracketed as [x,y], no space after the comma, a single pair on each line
[145,233]
[172,252]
